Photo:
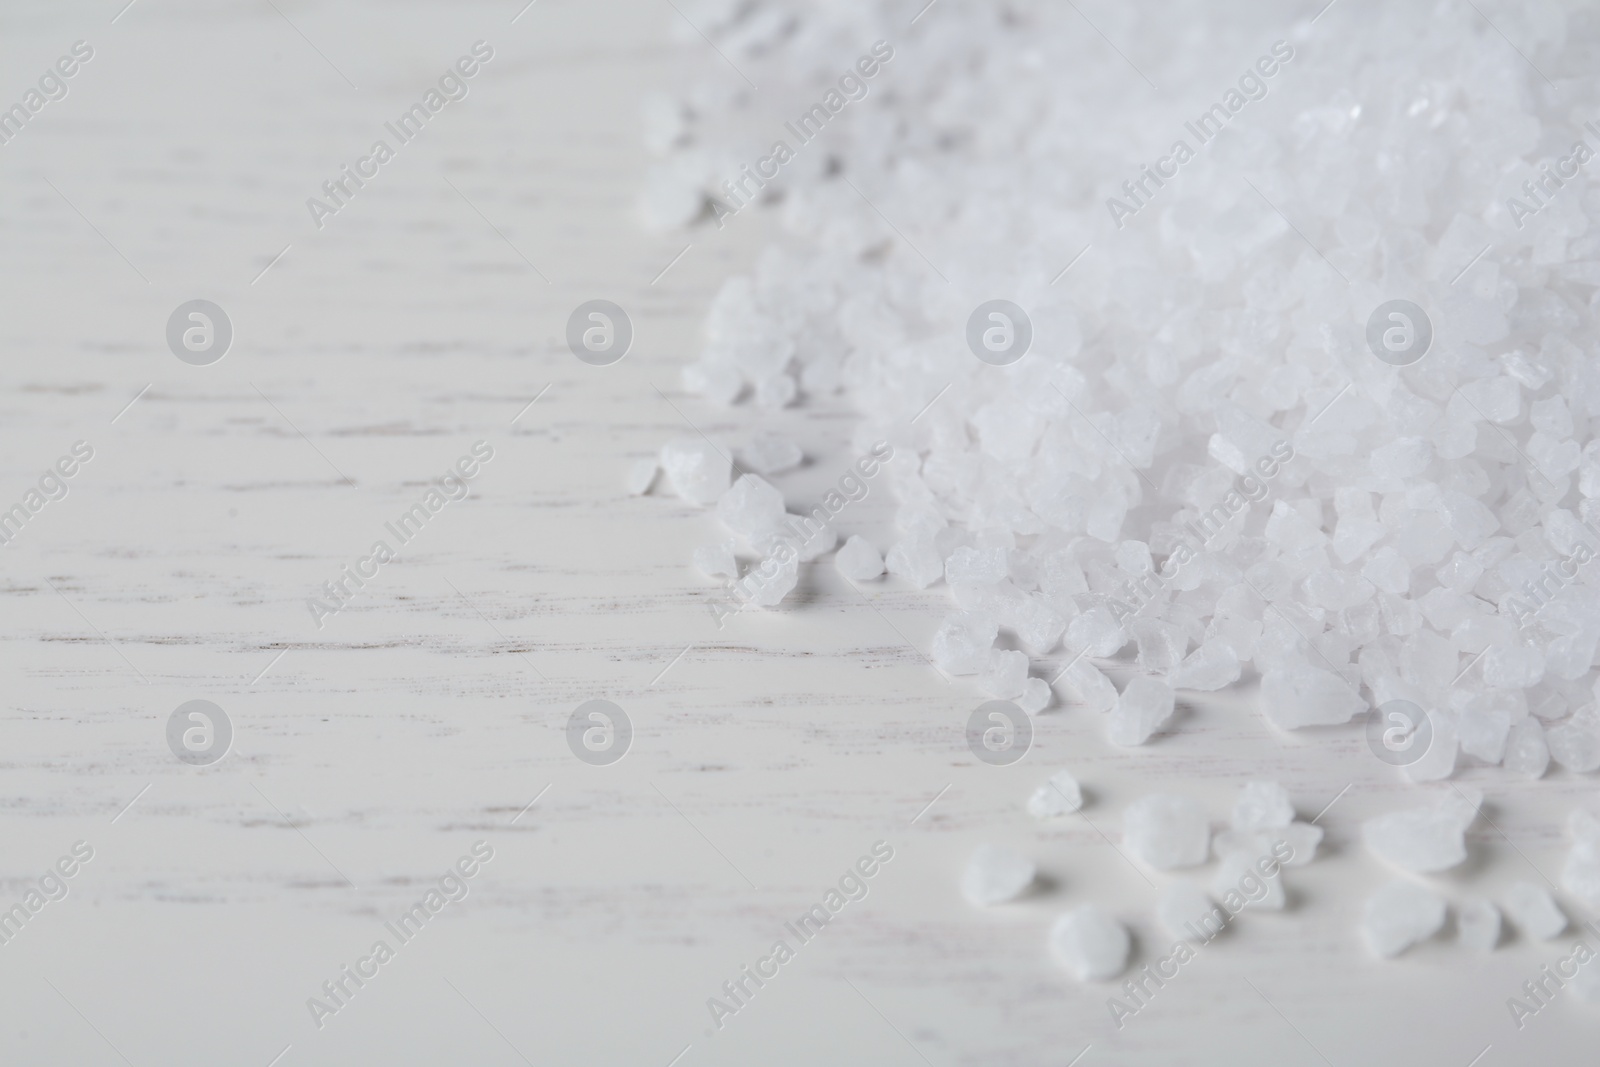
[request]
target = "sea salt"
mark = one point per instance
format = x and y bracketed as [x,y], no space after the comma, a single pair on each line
[1167,831]
[1398,916]
[1580,876]
[963,642]
[1425,839]
[697,471]
[1140,711]
[1262,805]
[641,476]
[1237,873]
[1035,696]
[916,559]
[768,453]
[1090,943]
[1478,924]
[1006,674]
[858,560]
[752,508]
[716,561]
[996,874]
[1186,913]
[1534,911]
[1301,838]
[1059,795]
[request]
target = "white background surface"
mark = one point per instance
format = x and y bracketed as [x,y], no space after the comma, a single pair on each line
[429,713]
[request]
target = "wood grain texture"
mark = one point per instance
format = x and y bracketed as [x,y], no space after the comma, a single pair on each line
[372,752]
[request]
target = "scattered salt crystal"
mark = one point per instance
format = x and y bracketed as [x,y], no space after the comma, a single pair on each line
[1262,805]
[772,580]
[858,560]
[641,476]
[1398,916]
[1209,667]
[975,566]
[776,392]
[1093,687]
[696,470]
[716,561]
[1059,795]
[1187,913]
[1302,695]
[1097,632]
[1238,874]
[1581,875]
[1575,744]
[767,453]
[996,874]
[1142,708]
[1526,751]
[916,559]
[1035,696]
[1424,839]
[963,642]
[1301,838]
[1005,675]
[1167,831]
[1090,943]
[1482,730]
[752,508]
[1534,911]
[1478,924]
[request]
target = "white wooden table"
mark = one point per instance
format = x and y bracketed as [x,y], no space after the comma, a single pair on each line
[371,753]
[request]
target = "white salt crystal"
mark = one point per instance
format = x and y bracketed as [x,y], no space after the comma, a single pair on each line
[771,581]
[1526,752]
[1262,805]
[1188,914]
[1534,911]
[1035,696]
[1482,730]
[1237,873]
[996,874]
[1478,924]
[1141,710]
[975,566]
[1167,831]
[751,508]
[858,560]
[1398,916]
[641,475]
[1092,686]
[1208,668]
[768,453]
[916,559]
[1301,838]
[1161,644]
[1301,695]
[1512,666]
[1059,795]
[1575,744]
[1388,570]
[1581,875]
[696,471]
[1096,632]
[1424,839]
[716,561]
[1005,675]
[776,392]
[1090,943]
[963,642]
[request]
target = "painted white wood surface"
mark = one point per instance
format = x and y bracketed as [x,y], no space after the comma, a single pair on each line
[373,752]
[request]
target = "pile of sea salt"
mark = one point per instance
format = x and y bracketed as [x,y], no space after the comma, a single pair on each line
[1205,455]
[1125,482]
